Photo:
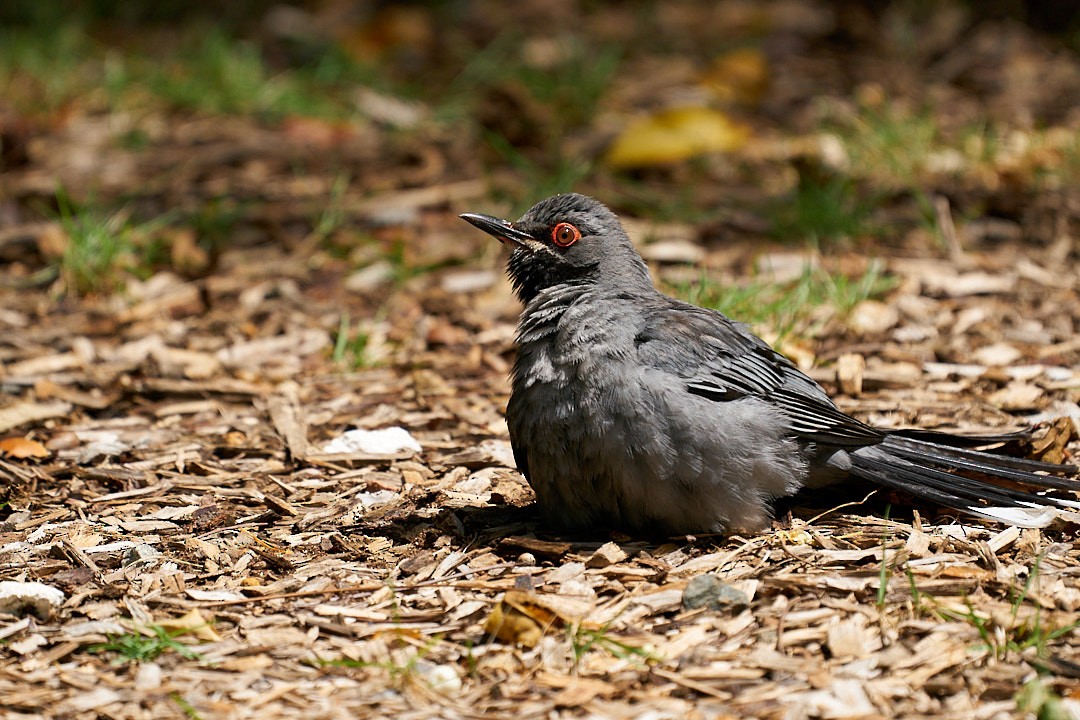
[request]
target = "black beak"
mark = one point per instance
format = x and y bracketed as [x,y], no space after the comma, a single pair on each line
[500,229]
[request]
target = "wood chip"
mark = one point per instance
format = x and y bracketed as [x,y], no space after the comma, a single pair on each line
[607,554]
[849,373]
[25,413]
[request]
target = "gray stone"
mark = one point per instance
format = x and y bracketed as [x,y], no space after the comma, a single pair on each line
[710,591]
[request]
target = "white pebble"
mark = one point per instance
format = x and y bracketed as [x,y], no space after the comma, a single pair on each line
[387,441]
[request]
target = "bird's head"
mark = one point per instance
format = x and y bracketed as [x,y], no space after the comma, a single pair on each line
[563,239]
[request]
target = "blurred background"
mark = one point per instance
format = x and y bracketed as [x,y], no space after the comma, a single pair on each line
[333,143]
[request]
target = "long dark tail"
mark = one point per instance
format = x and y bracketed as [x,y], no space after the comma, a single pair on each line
[947,471]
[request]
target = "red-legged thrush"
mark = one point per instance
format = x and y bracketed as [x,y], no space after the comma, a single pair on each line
[630,409]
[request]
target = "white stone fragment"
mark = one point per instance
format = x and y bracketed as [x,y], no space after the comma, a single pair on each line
[387,441]
[19,597]
[148,677]
[441,678]
[375,498]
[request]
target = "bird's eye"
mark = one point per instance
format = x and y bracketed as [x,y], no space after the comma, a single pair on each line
[565,235]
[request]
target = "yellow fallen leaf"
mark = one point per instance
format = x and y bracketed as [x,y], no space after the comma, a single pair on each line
[676,134]
[522,617]
[519,620]
[738,77]
[22,448]
[795,536]
[507,624]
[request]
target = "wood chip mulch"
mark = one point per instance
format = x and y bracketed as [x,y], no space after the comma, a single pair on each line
[186,492]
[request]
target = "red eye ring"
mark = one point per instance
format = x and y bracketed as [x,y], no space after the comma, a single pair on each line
[565,234]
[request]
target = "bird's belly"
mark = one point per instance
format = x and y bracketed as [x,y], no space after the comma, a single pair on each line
[625,447]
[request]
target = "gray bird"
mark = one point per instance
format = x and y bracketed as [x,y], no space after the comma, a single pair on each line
[631,409]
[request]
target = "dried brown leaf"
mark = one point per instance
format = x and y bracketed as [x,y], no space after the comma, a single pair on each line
[22,448]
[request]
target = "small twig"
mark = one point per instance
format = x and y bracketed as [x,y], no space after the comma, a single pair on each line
[948,229]
[814,519]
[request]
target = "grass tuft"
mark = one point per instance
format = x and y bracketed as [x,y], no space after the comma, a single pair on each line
[224,75]
[100,248]
[885,572]
[401,666]
[351,345]
[1001,641]
[583,639]
[823,210]
[137,647]
[571,84]
[887,142]
[1038,699]
[799,307]
[185,707]
[43,69]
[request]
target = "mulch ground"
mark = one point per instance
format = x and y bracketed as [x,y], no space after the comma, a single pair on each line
[185,488]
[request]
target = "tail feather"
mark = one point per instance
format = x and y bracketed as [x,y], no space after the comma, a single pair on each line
[960,487]
[1001,466]
[968,441]
[932,471]
[1022,515]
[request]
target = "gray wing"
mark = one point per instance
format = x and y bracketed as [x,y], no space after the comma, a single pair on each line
[722,360]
